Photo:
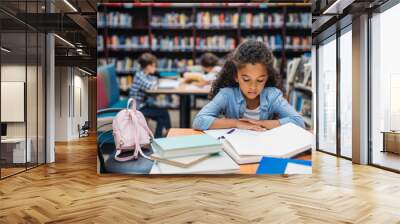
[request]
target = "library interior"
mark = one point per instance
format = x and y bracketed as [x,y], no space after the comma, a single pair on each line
[68,69]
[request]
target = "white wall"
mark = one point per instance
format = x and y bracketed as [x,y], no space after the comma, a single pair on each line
[71,93]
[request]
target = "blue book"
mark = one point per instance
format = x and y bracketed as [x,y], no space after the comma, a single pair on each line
[270,165]
[186,145]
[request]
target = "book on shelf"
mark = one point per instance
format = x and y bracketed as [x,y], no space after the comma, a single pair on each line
[208,19]
[172,43]
[215,43]
[171,20]
[261,20]
[299,20]
[298,43]
[114,20]
[122,42]
[100,43]
[272,41]
[169,64]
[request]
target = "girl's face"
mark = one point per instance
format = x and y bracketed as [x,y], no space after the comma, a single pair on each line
[252,79]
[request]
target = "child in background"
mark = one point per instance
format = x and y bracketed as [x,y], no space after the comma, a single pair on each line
[210,69]
[144,80]
[209,63]
[244,93]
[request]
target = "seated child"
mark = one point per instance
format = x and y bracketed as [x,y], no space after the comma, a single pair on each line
[210,69]
[144,80]
[244,93]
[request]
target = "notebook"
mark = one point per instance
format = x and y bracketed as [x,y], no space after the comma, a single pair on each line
[270,165]
[238,158]
[220,163]
[284,141]
[168,84]
[187,162]
[182,146]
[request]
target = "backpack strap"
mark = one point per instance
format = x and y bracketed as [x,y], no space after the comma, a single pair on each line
[133,102]
[138,149]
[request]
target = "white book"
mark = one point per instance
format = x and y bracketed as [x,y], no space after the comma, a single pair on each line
[238,158]
[218,164]
[282,142]
[218,133]
[294,168]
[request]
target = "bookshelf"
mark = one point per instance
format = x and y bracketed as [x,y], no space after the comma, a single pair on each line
[300,87]
[179,33]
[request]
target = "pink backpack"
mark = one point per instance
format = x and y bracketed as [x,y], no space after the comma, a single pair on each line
[130,131]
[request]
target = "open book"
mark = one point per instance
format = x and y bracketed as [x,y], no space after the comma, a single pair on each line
[249,146]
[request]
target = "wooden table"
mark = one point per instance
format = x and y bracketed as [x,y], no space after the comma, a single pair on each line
[185,91]
[245,168]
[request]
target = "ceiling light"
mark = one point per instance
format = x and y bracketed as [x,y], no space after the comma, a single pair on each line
[84,71]
[5,49]
[70,5]
[65,41]
[337,7]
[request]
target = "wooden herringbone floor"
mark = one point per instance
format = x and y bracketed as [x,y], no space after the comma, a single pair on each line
[70,191]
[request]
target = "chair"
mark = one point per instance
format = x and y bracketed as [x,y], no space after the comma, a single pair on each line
[106,151]
[108,97]
[84,130]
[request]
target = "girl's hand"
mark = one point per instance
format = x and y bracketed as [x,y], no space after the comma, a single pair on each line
[249,126]
[267,124]
[251,121]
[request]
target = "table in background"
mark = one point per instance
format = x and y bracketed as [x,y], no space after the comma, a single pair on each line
[245,168]
[184,91]
[13,150]
[391,141]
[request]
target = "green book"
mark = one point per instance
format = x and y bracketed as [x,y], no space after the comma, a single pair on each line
[186,145]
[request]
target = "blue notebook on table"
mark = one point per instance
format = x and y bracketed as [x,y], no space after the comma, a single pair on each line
[270,165]
[186,145]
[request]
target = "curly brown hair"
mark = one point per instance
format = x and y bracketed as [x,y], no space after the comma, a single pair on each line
[248,52]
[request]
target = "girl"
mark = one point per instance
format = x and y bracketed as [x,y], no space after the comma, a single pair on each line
[244,93]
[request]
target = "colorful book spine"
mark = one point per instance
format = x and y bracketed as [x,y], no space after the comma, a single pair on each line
[114,20]
[172,19]
[122,42]
[274,42]
[208,19]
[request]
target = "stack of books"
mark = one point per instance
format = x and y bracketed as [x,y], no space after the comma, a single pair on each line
[194,154]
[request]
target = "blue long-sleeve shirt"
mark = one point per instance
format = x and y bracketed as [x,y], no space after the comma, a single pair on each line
[231,103]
